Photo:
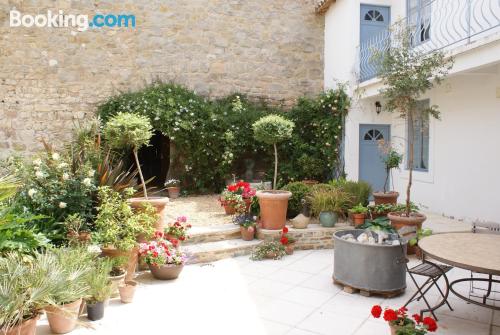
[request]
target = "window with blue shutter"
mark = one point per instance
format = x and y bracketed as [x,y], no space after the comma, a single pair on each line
[421,138]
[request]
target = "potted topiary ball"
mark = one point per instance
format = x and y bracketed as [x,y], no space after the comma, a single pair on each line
[131,131]
[273,129]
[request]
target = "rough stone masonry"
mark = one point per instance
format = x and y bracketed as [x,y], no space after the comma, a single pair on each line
[52,78]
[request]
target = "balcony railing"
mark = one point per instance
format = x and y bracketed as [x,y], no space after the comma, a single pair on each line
[436,25]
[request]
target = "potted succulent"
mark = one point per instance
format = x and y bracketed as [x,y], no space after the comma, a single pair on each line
[247,224]
[177,230]
[358,214]
[164,258]
[118,226]
[21,308]
[407,73]
[127,291]
[401,324]
[268,250]
[271,130]
[287,241]
[131,131]
[328,205]
[100,288]
[413,247]
[391,159]
[69,286]
[173,188]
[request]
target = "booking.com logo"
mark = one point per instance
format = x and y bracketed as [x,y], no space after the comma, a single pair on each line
[80,21]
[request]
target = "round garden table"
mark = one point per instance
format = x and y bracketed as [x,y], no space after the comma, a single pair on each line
[471,251]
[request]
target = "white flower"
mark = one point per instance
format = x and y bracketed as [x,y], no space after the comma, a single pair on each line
[91,173]
[39,174]
[65,176]
[62,205]
[62,165]
[55,156]
[87,182]
[94,249]
[37,162]
[31,192]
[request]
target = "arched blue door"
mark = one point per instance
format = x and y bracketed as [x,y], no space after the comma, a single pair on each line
[374,35]
[371,167]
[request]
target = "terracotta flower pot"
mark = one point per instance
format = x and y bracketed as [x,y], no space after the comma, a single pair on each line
[390,197]
[247,234]
[115,283]
[127,291]
[133,259]
[229,209]
[159,203]
[28,327]
[358,218]
[95,311]
[173,192]
[62,319]
[398,221]
[394,329]
[271,255]
[273,205]
[289,248]
[166,272]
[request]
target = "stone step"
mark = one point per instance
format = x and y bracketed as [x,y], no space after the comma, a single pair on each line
[212,233]
[213,251]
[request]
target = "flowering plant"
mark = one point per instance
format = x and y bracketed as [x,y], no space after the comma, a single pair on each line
[178,229]
[285,239]
[245,220]
[404,325]
[161,251]
[235,195]
[172,183]
[242,188]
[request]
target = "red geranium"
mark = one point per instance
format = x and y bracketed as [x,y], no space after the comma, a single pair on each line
[430,323]
[376,311]
[417,318]
[285,230]
[284,240]
[390,315]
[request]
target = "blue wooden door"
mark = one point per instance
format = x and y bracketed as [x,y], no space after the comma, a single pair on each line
[374,35]
[371,167]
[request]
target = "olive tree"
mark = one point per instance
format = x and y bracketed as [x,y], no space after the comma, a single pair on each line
[407,72]
[131,131]
[272,129]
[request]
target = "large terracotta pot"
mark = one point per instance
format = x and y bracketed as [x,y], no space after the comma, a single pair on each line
[398,221]
[28,327]
[159,203]
[173,192]
[390,197]
[133,258]
[62,319]
[166,272]
[247,234]
[273,205]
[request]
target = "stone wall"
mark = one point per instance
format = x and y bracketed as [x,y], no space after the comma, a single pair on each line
[52,78]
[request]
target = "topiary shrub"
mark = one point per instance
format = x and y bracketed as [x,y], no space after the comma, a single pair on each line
[299,191]
[273,129]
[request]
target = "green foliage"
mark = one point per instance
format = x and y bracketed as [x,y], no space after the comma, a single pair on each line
[378,224]
[407,73]
[359,191]
[212,138]
[421,233]
[127,130]
[272,129]
[359,209]
[116,223]
[268,249]
[300,192]
[16,233]
[335,200]
[98,281]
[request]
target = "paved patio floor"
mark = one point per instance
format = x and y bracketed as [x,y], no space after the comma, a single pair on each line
[293,296]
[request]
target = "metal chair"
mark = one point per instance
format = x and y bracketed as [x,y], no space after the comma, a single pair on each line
[432,271]
[483,228]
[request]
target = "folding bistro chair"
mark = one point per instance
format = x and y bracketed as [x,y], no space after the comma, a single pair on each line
[432,271]
[483,228]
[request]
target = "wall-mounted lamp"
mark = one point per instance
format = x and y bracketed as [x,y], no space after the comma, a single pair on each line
[378,107]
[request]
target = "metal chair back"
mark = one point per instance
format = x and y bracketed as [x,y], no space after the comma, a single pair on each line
[485,227]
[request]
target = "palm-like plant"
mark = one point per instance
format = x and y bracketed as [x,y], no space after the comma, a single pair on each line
[8,187]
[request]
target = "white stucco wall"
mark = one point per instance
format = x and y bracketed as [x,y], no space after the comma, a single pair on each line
[464,175]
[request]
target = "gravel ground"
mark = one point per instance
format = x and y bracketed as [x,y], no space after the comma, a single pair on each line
[202,210]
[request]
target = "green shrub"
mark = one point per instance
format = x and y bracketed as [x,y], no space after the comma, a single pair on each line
[333,200]
[299,191]
[359,191]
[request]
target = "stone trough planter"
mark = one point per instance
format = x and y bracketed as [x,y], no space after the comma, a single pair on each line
[375,268]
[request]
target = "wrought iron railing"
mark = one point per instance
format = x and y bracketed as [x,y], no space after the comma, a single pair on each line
[435,25]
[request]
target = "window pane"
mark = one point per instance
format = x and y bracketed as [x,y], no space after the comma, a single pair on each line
[421,139]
